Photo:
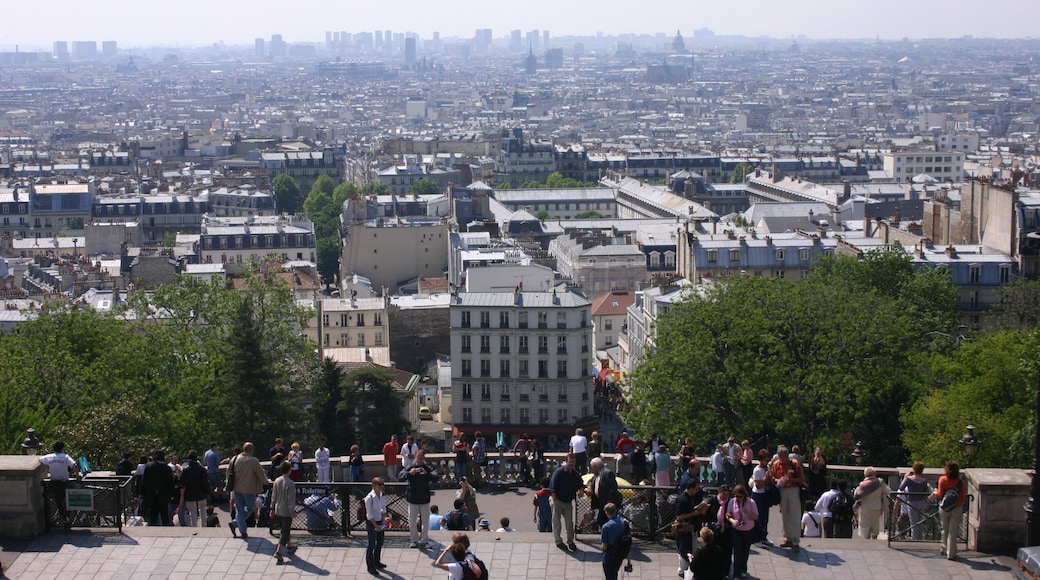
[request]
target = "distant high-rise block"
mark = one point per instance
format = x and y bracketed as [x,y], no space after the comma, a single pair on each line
[61,49]
[109,49]
[84,50]
[516,40]
[259,50]
[409,50]
[279,48]
[329,40]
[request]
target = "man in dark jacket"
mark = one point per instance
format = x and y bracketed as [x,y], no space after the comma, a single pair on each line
[157,489]
[603,489]
[418,497]
[195,489]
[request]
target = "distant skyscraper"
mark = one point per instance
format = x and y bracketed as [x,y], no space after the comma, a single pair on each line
[61,49]
[436,42]
[388,40]
[109,49]
[533,38]
[84,50]
[259,50]
[278,46]
[329,39]
[409,50]
[516,40]
[545,39]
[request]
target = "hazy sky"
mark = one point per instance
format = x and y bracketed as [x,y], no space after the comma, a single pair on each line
[196,22]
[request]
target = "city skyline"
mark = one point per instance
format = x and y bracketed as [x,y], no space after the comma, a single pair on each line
[198,23]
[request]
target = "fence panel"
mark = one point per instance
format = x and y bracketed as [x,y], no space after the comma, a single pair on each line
[914,517]
[88,503]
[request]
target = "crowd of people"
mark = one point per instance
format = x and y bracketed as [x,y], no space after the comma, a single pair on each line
[720,509]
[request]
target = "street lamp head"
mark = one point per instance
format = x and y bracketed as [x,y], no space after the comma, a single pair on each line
[970,443]
[31,445]
[857,452]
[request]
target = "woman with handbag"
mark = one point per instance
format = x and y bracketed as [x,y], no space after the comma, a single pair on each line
[740,513]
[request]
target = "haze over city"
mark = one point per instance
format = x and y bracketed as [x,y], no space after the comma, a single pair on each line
[197,22]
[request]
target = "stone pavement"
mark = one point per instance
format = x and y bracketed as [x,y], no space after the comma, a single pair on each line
[142,552]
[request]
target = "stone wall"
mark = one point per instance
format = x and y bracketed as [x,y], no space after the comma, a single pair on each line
[21,495]
[996,518]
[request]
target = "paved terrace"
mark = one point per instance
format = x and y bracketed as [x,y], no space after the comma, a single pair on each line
[144,552]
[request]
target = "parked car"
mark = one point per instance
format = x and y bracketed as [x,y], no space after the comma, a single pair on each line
[425,414]
[1028,563]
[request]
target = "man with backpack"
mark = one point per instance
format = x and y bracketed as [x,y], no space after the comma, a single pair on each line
[457,519]
[835,505]
[615,539]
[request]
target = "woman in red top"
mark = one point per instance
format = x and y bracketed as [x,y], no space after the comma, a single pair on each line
[951,520]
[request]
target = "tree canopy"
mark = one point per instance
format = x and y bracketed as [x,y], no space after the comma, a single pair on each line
[188,363]
[287,195]
[823,361]
[424,186]
[556,180]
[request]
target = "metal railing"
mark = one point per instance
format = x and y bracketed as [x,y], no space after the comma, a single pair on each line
[915,517]
[88,503]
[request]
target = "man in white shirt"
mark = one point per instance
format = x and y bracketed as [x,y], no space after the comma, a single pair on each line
[580,447]
[408,452]
[811,524]
[322,462]
[62,468]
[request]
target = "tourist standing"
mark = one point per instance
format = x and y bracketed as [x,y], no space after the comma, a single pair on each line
[741,514]
[610,539]
[787,474]
[872,495]
[62,468]
[915,488]
[323,463]
[418,497]
[951,518]
[376,521]
[564,486]
[390,450]
[579,446]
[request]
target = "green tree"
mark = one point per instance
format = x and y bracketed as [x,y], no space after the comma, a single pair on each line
[325,184]
[343,192]
[372,404]
[1020,304]
[816,362]
[991,384]
[328,255]
[542,215]
[375,188]
[740,172]
[332,421]
[589,215]
[287,195]
[424,186]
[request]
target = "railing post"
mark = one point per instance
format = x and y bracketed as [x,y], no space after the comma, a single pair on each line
[654,516]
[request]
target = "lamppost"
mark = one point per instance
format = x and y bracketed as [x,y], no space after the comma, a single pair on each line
[969,445]
[31,445]
[857,453]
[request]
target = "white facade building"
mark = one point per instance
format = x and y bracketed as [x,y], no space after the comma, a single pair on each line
[521,362]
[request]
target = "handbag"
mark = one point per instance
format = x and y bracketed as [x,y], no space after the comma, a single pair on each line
[681,527]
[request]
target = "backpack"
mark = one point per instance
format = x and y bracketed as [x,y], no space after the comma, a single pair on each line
[841,508]
[951,497]
[230,486]
[469,574]
[455,520]
[624,544]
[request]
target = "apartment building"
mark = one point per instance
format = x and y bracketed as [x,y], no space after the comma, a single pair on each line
[941,165]
[242,239]
[521,361]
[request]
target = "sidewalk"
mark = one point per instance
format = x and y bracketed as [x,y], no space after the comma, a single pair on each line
[144,552]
